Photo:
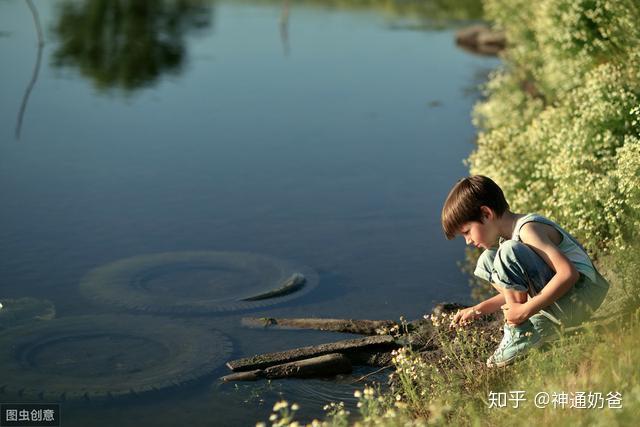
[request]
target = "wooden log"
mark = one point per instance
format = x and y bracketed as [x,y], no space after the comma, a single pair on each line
[254,375]
[325,365]
[262,361]
[360,326]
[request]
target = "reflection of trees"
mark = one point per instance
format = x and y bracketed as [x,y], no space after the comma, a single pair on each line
[434,11]
[127,43]
[284,27]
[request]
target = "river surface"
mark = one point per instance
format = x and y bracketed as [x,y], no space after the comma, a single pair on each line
[324,136]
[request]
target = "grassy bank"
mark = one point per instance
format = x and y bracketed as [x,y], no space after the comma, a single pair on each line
[589,377]
[559,130]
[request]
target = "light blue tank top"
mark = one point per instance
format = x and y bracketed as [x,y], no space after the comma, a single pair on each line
[569,245]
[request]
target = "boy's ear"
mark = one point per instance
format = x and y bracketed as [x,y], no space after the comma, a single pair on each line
[487,212]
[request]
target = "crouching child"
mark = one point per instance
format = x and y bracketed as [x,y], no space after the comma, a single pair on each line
[544,278]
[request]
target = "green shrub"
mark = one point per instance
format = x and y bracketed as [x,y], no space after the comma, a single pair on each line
[560,127]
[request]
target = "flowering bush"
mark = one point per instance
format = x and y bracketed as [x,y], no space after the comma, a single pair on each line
[560,127]
[423,382]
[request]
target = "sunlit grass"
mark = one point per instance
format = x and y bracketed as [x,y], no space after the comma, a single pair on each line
[599,364]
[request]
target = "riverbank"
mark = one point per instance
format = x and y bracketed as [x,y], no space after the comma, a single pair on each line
[588,376]
[559,130]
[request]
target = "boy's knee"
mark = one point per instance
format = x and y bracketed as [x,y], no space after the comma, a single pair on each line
[511,249]
[508,270]
[484,265]
[506,266]
[510,254]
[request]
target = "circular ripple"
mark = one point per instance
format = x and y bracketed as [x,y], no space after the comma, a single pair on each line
[19,311]
[195,282]
[96,357]
[316,392]
[95,354]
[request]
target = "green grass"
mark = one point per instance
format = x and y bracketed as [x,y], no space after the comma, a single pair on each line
[457,389]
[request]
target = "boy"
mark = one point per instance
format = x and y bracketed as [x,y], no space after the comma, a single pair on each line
[544,278]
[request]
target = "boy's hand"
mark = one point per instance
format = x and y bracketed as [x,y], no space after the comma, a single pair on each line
[464,316]
[515,313]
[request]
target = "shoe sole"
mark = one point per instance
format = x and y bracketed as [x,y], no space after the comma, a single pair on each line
[507,362]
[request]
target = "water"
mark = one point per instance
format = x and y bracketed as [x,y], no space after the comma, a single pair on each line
[327,137]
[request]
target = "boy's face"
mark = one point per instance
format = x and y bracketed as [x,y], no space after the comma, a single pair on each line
[480,234]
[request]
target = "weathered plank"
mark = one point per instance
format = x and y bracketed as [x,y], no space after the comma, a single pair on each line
[254,375]
[360,326]
[261,361]
[326,365]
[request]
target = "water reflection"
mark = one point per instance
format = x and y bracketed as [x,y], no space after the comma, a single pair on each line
[298,170]
[36,67]
[284,27]
[127,44]
[435,12]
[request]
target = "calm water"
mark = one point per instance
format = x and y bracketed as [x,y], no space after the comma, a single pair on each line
[327,137]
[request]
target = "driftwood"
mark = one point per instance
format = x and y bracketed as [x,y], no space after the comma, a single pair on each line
[329,359]
[353,346]
[337,357]
[362,327]
[351,326]
[326,365]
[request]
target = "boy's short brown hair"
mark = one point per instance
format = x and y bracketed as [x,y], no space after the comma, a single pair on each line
[465,199]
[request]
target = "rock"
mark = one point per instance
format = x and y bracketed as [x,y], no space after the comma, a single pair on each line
[481,39]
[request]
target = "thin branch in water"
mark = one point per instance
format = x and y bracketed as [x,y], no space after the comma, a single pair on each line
[371,373]
[284,27]
[36,69]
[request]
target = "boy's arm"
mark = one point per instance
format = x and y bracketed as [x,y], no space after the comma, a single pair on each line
[487,306]
[490,305]
[534,235]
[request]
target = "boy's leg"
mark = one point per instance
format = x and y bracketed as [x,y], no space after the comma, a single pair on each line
[547,329]
[520,271]
[509,269]
[511,296]
[582,300]
[516,266]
